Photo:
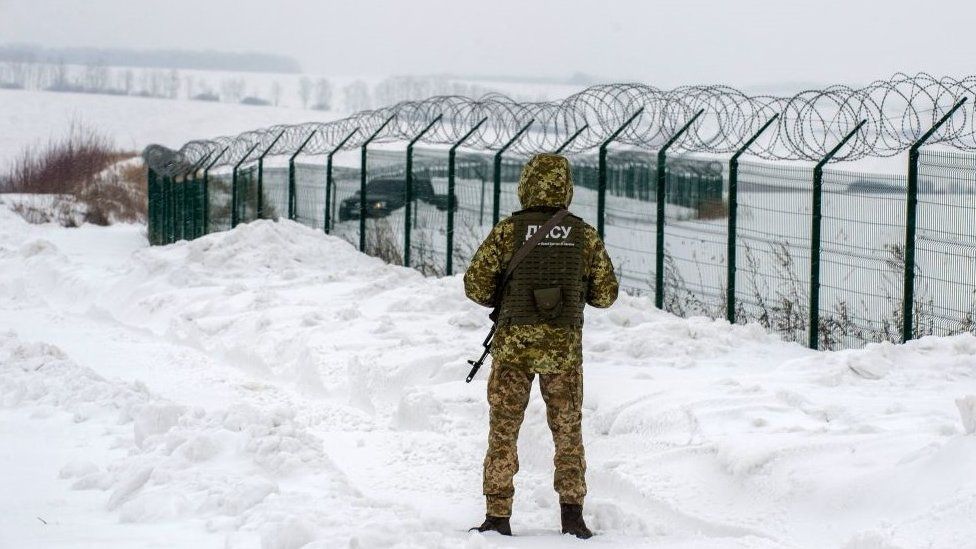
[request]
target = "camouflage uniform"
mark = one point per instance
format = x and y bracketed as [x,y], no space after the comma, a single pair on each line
[521,351]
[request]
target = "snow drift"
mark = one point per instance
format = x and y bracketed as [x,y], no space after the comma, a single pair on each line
[271,387]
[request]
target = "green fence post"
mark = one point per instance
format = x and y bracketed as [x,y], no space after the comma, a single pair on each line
[292,200]
[601,188]
[164,215]
[152,207]
[497,192]
[571,139]
[197,198]
[191,193]
[167,210]
[362,183]
[911,213]
[816,220]
[233,195]
[661,197]
[177,209]
[194,211]
[327,219]
[451,203]
[206,192]
[185,219]
[173,211]
[200,205]
[733,217]
[184,208]
[408,207]
[235,217]
[260,198]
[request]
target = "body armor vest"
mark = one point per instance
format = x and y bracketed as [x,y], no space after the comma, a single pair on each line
[547,287]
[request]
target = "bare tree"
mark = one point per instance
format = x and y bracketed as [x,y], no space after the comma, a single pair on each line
[96,77]
[15,74]
[128,81]
[60,76]
[275,93]
[43,76]
[323,95]
[173,84]
[232,89]
[356,96]
[189,85]
[305,90]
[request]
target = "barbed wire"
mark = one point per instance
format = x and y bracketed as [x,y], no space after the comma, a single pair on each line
[898,111]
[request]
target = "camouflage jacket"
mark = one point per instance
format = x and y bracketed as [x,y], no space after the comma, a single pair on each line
[546,181]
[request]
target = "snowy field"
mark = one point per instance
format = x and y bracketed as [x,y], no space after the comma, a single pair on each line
[270,387]
[34,117]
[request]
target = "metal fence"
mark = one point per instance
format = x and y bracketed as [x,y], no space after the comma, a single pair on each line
[827,257]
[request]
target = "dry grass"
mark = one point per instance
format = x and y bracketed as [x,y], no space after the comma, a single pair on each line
[117,195]
[35,209]
[713,209]
[93,181]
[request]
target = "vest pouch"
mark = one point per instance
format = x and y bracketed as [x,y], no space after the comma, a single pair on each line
[549,302]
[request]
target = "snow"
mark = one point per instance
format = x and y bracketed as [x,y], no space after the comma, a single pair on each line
[270,387]
[34,117]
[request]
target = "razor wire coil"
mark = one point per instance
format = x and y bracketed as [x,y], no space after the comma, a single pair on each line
[898,111]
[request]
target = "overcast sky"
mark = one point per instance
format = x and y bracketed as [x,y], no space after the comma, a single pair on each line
[665,43]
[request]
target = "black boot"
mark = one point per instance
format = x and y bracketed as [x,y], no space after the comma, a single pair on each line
[572,518]
[494,524]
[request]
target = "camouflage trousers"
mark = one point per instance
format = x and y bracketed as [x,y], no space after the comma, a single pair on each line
[508,395]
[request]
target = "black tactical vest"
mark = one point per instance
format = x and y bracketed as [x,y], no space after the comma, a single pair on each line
[547,287]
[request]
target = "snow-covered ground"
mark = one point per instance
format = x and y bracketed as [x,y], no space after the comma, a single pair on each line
[32,117]
[35,117]
[270,387]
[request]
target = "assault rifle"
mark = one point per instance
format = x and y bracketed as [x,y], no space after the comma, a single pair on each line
[495,313]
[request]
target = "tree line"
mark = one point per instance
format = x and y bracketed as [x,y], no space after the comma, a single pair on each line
[308,92]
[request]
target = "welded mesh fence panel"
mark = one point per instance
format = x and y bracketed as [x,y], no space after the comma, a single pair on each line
[862,259]
[585,200]
[158,191]
[247,194]
[219,190]
[181,209]
[385,199]
[696,236]
[344,216]
[773,247]
[511,170]
[428,232]
[945,260]
[196,200]
[166,209]
[473,199]
[310,194]
[630,217]
[275,190]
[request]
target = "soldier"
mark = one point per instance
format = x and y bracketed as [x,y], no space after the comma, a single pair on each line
[539,332]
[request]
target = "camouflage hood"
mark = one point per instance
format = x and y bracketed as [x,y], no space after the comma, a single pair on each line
[546,181]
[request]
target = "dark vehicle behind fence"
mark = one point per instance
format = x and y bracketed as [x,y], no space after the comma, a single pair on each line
[384,196]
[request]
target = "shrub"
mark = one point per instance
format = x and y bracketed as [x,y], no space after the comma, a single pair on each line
[87,176]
